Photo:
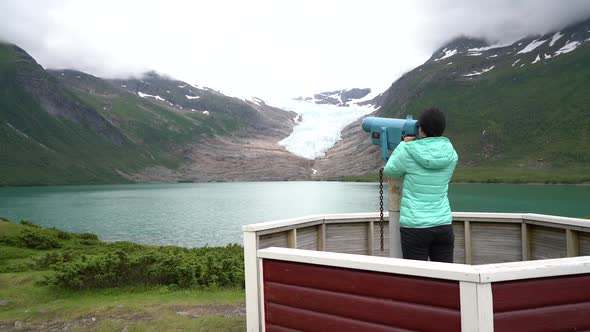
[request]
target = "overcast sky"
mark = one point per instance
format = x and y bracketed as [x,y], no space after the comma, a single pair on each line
[269,49]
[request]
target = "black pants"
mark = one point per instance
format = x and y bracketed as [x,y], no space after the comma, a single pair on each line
[436,243]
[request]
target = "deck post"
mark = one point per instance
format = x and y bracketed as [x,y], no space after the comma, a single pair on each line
[395,195]
[468,247]
[253,308]
[477,312]
[572,243]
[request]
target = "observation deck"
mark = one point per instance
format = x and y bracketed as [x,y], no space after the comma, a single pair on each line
[511,272]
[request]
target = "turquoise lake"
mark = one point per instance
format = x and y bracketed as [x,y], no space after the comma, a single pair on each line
[199,214]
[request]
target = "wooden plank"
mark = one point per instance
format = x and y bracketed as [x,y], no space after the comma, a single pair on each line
[370,231]
[525,242]
[305,320]
[569,317]
[292,238]
[459,250]
[417,290]
[399,314]
[307,238]
[251,274]
[322,237]
[542,292]
[571,239]
[495,243]
[468,296]
[547,242]
[273,240]
[347,238]
[447,271]
[584,243]
[468,251]
[485,308]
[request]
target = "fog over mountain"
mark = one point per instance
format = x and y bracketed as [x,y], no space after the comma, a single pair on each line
[262,47]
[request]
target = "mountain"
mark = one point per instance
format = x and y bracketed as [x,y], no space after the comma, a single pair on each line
[525,105]
[60,127]
[344,97]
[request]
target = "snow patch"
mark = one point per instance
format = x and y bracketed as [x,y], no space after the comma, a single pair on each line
[547,56]
[474,54]
[475,73]
[205,112]
[123,85]
[569,47]
[493,56]
[530,47]
[192,97]
[182,86]
[314,171]
[515,62]
[450,63]
[145,95]
[555,38]
[448,54]
[537,59]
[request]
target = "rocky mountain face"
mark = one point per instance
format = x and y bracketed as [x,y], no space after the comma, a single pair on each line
[506,105]
[65,126]
[344,97]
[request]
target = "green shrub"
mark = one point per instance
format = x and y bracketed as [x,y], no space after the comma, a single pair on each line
[38,239]
[87,236]
[173,266]
[29,223]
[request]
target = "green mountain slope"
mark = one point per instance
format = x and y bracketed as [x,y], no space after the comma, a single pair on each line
[511,106]
[65,127]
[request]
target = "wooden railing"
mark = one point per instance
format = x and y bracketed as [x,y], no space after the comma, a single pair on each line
[480,238]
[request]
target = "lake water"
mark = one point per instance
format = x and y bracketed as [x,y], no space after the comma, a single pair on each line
[198,214]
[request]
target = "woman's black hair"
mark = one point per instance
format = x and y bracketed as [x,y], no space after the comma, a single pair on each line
[433,122]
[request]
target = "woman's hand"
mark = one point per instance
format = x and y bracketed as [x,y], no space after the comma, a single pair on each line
[409,138]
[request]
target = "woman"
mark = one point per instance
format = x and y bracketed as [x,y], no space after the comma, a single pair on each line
[427,165]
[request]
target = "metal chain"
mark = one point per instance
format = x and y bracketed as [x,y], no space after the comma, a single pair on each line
[381,206]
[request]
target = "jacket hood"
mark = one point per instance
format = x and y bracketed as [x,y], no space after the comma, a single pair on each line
[432,152]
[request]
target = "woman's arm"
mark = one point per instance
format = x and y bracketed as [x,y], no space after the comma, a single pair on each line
[396,165]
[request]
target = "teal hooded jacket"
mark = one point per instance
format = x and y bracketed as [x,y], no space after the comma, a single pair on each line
[427,166]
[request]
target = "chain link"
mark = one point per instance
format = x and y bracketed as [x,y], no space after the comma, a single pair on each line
[381,207]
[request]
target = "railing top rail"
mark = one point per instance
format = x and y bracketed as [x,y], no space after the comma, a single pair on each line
[447,271]
[456,215]
[458,272]
[302,220]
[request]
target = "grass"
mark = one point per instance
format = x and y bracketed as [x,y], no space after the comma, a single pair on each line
[153,308]
[35,303]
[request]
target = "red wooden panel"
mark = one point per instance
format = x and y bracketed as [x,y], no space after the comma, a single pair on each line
[569,317]
[434,292]
[375,310]
[534,293]
[278,328]
[305,320]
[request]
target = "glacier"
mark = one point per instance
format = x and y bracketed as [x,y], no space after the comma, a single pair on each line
[320,127]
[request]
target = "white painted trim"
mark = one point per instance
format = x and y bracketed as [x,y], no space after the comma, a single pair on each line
[471,216]
[447,271]
[585,223]
[252,282]
[468,300]
[487,215]
[533,269]
[280,223]
[485,308]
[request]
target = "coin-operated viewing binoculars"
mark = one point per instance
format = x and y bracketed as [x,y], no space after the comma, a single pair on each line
[388,133]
